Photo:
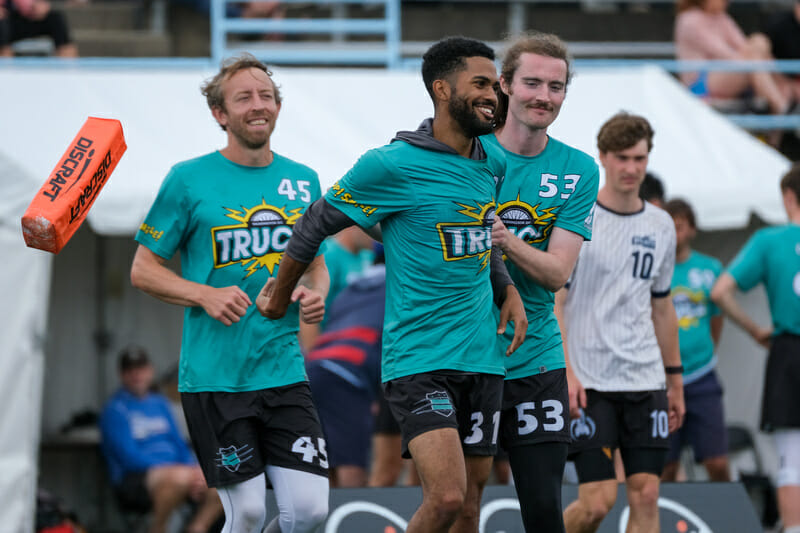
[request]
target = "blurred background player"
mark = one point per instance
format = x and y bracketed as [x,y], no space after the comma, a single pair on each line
[652,190]
[544,213]
[699,329]
[344,371]
[772,257]
[150,465]
[621,338]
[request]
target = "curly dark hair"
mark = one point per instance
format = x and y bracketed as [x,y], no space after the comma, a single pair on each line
[449,56]
[680,208]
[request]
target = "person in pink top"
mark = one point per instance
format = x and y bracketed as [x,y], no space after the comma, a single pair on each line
[704,30]
[22,19]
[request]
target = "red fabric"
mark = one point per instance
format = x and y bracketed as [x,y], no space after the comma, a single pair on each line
[351,354]
[367,335]
[61,528]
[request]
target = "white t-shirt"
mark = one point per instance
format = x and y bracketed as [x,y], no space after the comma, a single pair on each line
[611,341]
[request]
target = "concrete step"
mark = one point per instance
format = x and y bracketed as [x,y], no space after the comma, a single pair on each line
[117,15]
[122,43]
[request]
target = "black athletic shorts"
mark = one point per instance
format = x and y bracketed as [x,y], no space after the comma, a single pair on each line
[535,409]
[385,423]
[468,402]
[635,422]
[781,398]
[237,434]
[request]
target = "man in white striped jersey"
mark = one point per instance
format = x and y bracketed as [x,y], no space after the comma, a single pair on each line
[621,339]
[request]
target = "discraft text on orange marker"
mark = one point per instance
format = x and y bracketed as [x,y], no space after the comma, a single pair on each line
[61,205]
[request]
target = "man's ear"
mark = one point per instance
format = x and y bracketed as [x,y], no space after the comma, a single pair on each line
[219,115]
[442,90]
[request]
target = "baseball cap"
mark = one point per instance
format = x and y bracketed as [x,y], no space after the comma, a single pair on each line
[133,357]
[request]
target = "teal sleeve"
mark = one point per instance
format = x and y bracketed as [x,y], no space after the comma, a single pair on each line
[371,191]
[747,268]
[165,225]
[577,213]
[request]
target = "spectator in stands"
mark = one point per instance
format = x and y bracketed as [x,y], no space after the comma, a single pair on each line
[783,31]
[699,328]
[703,31]
[344,371]
[149,462]
[22,19]
[772,257]
[652,190]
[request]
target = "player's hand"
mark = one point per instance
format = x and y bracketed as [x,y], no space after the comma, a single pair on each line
[513,311]
[312,304]
[226,304]
[269,304]
[763,336]
[675,402]
[577,395]
[198,486]
[501,237]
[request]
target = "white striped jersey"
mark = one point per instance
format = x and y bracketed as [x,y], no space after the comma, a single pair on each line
[611,341]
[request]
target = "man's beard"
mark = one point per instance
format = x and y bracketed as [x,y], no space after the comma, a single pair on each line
[466,117]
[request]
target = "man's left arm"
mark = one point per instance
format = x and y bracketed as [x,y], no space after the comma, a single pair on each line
[665,324]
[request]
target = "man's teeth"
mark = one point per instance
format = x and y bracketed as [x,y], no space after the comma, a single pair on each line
[487,110]
[258,122]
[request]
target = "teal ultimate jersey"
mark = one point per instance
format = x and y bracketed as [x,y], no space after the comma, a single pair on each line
[772,257]
[231,224]
[692,281]
[436,211]
[555,189]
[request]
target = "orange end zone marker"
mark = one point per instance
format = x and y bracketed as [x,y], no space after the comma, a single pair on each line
[61,205]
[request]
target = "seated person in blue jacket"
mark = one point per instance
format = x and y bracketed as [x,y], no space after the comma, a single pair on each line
[149,462]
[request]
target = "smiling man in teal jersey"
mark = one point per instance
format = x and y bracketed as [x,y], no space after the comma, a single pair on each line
[772,257]
[544,213]
[229,214]
[700,326]
[433,191]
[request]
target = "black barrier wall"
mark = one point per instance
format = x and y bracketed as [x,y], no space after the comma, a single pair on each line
[684,508]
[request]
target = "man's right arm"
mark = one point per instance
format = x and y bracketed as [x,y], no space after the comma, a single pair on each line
[150,274]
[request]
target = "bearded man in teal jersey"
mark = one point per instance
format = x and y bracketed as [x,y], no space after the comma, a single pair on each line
[434,193]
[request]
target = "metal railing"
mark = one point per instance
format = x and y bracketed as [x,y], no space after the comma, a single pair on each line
[377,42]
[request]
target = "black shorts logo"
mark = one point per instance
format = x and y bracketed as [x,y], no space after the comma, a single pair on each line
[232,457]
[583,427]
[435,402]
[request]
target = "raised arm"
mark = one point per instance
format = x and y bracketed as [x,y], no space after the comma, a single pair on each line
[665,323]
[150,274]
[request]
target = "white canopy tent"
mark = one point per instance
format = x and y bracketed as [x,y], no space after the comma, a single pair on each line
[329,117]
